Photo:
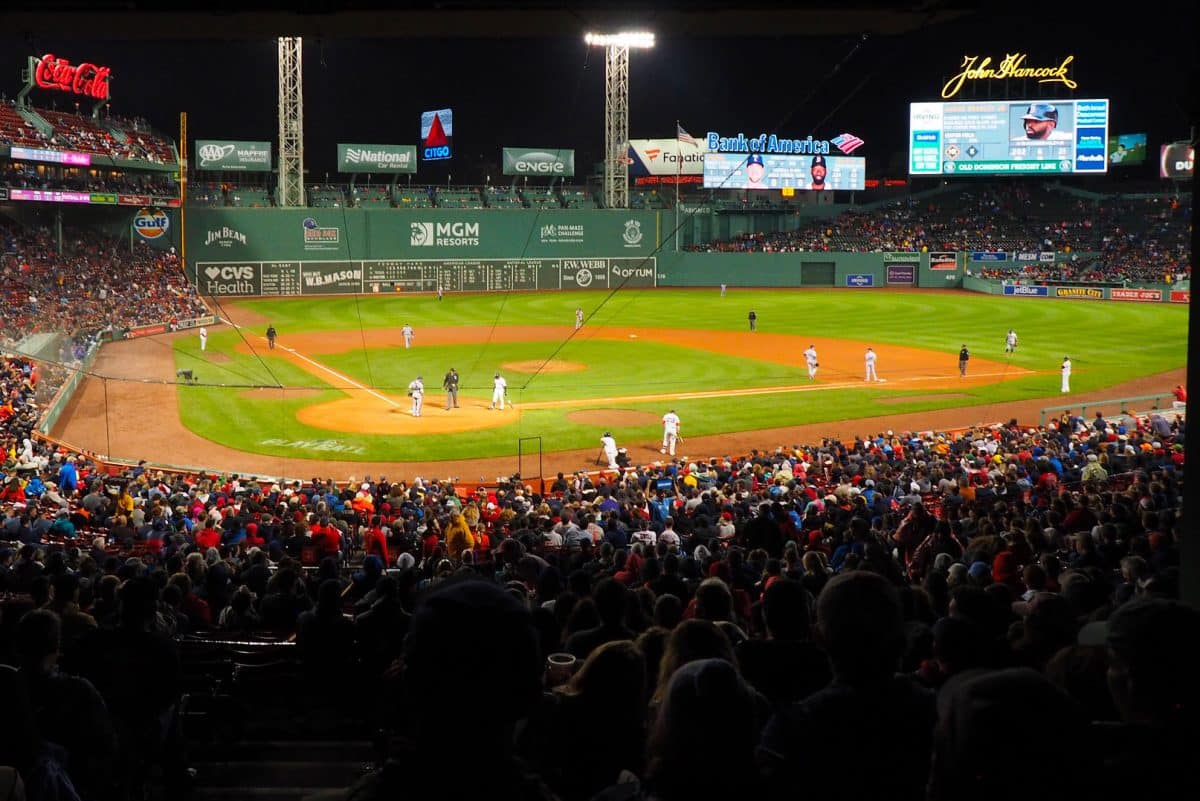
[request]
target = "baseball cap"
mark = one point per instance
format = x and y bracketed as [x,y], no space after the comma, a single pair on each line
[1149,629]
[754,158]
[1041,111]
[818,160]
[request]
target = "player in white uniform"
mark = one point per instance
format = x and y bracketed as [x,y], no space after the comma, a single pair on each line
[610,449]
[578,319]
[407,333]
[870,364]
[499,392]
[810,358]
[1066,374]
[1010,342]
[416,391]
[670,432]
[203,338]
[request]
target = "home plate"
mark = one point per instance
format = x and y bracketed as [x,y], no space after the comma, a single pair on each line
[633,336]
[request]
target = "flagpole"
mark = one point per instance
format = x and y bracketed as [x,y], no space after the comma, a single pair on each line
[678,172]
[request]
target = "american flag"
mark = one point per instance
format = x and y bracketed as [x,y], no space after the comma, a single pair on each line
[684,136]
[847,143]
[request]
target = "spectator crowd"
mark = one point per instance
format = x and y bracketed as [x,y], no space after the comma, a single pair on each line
[983,614]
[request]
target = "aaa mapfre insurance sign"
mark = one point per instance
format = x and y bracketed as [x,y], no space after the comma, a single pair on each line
[1144,295]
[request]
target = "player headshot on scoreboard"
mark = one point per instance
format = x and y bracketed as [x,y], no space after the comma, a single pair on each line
[818,171]
[755,171]
[1043,122]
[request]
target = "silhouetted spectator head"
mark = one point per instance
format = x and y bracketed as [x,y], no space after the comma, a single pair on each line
[982,749]
[39,634]
[463,627]
[860,627]
[692,640]
[138,600]
[714,601]
[668,611]
[1153,649]
[613,678]
[785,610]
[610,599]
[66,588]
[705,702]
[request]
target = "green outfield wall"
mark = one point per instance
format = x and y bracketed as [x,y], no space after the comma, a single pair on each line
[286,252]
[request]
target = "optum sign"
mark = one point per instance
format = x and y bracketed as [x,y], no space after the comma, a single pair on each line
[527,161]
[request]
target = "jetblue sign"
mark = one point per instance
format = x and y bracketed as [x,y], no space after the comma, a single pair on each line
[1026,291]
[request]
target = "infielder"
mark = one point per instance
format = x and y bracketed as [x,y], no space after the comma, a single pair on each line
[810,358]
[670,432]
[578,319]
[203,338]
[870,364]
[1010,342]
[407,333]
[416,391]
[610,449]
[499,391]
[1066,374]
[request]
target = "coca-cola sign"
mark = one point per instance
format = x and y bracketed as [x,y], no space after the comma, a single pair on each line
[90,80]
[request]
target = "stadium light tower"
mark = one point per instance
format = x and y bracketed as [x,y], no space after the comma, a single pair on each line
[616,109]
[291,122]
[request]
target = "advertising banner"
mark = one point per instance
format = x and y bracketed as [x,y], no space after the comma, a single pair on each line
[377,158]
[437,134]
[1026,291]
[1047,256]
[195,322]
[943,261]
[901,273]
[220,154]
[1144,295]
[1181,296]
[1078,292]
[1027,257]
[860,280]
[665,157]
[50,196]
[146,330]
[538,162]
[53,156]
[1177,161]
[988,255]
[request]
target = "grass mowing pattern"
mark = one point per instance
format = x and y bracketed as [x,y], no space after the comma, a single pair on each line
[1108,342]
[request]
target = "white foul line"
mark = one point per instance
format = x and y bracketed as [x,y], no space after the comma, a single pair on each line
[338,375]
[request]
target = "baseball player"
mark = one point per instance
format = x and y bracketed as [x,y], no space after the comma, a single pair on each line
[407,333]
[722,290]
[753,318]
[964,356]
[578,319]
[810,358]
[440,292]
[869,358]
[1066,374]
[203,338]
[416,390]
[270,336]
[499,392]
[670,432]
[1010,342]
[610,449]
[450,384]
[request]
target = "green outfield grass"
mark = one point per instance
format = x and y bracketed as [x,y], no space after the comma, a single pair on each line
[1108,343]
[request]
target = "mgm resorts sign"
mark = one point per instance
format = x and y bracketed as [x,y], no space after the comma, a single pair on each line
[548,163]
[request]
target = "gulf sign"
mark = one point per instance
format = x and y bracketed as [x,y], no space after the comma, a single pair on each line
[151,223]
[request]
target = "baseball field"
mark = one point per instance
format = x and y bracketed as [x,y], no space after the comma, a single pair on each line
[334,388]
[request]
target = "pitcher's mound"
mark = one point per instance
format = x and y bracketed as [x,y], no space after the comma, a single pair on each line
[552,366]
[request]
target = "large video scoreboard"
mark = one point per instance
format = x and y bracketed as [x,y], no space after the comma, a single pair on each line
[1007,137]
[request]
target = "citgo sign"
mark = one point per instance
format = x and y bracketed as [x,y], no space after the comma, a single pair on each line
[151,223]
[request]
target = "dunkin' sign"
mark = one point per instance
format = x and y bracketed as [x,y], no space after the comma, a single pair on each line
[87,79]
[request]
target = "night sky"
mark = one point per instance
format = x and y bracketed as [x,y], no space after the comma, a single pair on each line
[543,92]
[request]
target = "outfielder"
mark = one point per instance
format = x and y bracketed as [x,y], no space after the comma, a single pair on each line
[1010,342]
[870,365]
[578,319]
[810,358]
[670,432]
[499,392]
[416,391]
[407,333]
[203,338]
[1066,374]
[610,449]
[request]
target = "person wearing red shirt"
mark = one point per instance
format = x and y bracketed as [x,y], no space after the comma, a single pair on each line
[252,539]
[326,540]
[376,542]
[208,537]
